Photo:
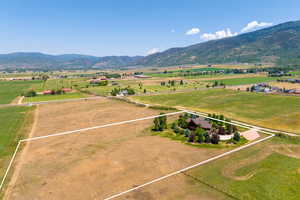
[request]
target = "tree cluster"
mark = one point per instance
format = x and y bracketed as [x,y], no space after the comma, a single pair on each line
[160,123]
[128,90]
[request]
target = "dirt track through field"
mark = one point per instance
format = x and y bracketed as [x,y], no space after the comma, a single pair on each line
[98,163]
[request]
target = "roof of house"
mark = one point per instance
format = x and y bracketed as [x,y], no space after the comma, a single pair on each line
[200,121]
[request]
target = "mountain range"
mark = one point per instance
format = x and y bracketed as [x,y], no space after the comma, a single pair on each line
[278,44]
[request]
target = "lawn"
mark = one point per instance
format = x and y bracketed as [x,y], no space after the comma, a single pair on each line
[257,173]
[74,95]
[245,81]
[9,90]
[272,111]
[15,124]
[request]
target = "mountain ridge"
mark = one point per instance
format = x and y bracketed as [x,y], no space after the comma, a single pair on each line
[276,44]
[279,44]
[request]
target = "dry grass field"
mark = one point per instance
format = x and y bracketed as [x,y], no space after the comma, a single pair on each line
[285,85]
[97,163]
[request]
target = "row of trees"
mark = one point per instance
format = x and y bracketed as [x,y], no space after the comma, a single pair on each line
[171,83]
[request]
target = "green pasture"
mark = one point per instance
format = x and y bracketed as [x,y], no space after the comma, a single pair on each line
[9,90]
[267,110]
[275,176]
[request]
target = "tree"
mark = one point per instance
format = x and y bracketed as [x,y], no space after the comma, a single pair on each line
[191,137]
[187,132]
[115,91]
[215,138]
[182,121]
[172,83]
[173,126]
[200,135]
[236,137]
[145,91]
[206,138]
[156,124]
[160,123]
[181,82]
[163,121]
[30,93]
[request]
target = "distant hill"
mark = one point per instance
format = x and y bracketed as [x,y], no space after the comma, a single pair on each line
[66,61]
[279,44]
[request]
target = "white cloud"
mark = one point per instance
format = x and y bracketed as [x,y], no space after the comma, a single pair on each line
[173,31]
[193,31]
[152,51]
[218,35]
[254,25]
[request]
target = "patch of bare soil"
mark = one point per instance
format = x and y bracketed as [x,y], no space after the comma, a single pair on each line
[97,163]
[284,149]
[76,115]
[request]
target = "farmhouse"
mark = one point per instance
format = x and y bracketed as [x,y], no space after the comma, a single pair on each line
[193,123]
[47,92]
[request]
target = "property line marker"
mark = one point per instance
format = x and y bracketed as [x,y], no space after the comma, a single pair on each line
[74,131]
[101,126]
[189,167]
[9,165]
[140,119]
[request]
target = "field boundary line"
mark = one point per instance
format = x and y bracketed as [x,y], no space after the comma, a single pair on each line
[189,167]
[75,131]
[97,127]
[209,185]
[9,165]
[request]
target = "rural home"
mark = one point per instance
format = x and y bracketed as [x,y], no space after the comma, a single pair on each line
[47,92]
[194,123]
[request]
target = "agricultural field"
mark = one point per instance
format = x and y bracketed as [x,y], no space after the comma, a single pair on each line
[96,163]
[15,125]
[269,170]
[10,90]
[272,111]
[73,95]
[55,84]
[151,86]
[285,85]
[245,81]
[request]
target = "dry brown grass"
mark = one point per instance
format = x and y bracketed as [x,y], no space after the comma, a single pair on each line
[285,85]
[97,163]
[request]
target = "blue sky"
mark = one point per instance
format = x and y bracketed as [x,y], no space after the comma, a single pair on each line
[130,27]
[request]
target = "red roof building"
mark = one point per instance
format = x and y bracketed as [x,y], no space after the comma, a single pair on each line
[47,92]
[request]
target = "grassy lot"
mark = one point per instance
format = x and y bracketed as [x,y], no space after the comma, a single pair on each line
[255,173]
[37,98]
[15,124]
[245,81]
[9,90]
[272,111]
[150,88]
[54,84]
